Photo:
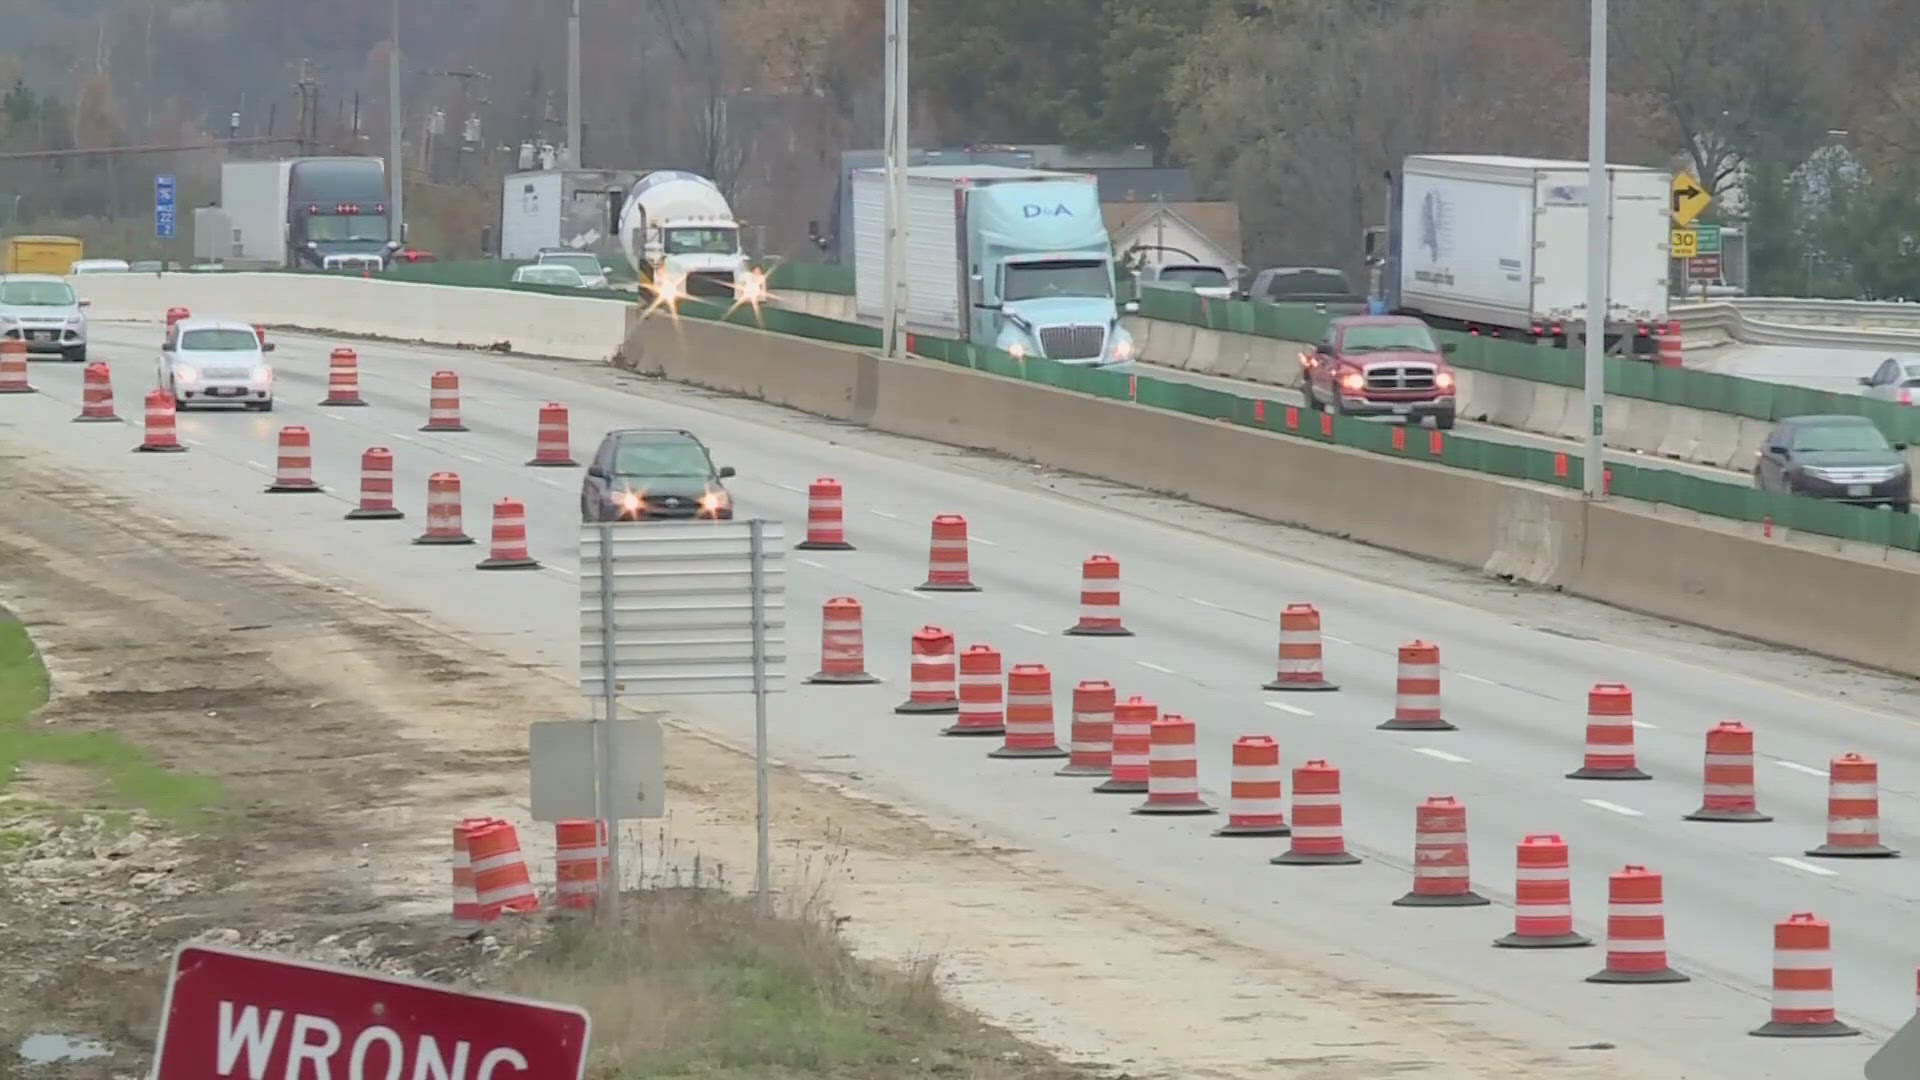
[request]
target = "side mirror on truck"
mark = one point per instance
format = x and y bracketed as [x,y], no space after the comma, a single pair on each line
[1131,307]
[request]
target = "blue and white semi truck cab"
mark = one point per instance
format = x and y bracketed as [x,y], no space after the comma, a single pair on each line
[1018,259]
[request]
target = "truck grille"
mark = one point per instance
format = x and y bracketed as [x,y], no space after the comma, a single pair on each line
[1072,342]
[1401,377]
[710,283]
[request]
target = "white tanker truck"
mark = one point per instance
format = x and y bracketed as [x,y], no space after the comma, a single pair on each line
[680,235]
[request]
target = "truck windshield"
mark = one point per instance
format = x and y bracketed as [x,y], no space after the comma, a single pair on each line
[338,228]
[702,242]
[1036,280]
[1399,337]
[1201,276]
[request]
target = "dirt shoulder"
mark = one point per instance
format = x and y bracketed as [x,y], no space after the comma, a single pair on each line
[346,736]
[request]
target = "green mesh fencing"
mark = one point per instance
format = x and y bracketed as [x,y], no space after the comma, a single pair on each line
[812,277]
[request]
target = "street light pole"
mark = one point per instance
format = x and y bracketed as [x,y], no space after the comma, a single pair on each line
[573,87]
[396,164]
[1599,211]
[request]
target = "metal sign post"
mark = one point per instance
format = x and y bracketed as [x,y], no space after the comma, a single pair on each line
[666,608]
[603,729]
[763,853]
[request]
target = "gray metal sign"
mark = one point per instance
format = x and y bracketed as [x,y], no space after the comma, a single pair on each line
[669,607]
[673,607]
[564,782]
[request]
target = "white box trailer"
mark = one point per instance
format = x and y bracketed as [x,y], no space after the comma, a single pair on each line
[1500,241]
[936,284]
[253,196]
[562,208]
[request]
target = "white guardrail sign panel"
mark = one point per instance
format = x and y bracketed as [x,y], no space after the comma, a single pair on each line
[679,607]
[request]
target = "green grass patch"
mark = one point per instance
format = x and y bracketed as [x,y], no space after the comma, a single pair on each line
[127,773]
[695,983]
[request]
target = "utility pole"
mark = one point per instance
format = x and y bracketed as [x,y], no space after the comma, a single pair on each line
[573,158]
[1599,231]
[898,153]
[309,126]
[396,163]
[466,77]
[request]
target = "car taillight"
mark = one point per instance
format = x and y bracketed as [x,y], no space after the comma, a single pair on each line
[1906,397]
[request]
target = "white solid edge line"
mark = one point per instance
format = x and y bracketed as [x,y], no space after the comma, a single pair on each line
[1206,603]
[884,514]
[1647,726]
[1441,754]
[1797,767]
[1151,666]
[982,540]
[1788,860]
[256,466]
[563,571]
[1335,640]
[809,562]
[1615,808]
[1031,629]
[1286,707]
[790,487]
[475,460]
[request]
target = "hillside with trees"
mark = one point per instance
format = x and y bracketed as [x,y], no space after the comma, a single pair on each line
[1803,115]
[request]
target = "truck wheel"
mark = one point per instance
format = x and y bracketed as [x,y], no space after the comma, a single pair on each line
[1443,421]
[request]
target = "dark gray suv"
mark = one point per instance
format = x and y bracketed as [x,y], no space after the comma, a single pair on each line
[654,474]
[1842,458]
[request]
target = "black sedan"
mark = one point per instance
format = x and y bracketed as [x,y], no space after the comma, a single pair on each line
[1842,458]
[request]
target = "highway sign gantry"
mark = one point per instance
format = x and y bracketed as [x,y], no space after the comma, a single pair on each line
[1689,199]
[230,1013]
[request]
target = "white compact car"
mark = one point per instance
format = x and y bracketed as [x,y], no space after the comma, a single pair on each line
[209,361]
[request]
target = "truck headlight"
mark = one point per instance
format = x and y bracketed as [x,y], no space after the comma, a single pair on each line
[1353,381]
[1017,351]
[753,287]
[1123,349]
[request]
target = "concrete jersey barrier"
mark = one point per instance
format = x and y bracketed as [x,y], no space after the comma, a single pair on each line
[1662,562]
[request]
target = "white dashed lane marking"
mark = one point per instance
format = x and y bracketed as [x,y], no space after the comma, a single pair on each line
[1806,867]
[1285,707]
[1613,808]
[1440,754]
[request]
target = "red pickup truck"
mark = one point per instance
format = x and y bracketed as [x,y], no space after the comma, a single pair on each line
[1380,365]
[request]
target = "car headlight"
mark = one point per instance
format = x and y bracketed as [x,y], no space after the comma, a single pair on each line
[753,286]
[1444,380]
[186,373]
[263,376]
[1123,349]
[627,500]
[715,501]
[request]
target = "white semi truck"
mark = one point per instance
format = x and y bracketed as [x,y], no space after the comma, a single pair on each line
[681,237]
[1499,244]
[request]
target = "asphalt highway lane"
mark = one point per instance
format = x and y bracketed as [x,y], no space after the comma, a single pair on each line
[1203,610]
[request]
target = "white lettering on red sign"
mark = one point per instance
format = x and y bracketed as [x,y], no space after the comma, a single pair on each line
[314,1043]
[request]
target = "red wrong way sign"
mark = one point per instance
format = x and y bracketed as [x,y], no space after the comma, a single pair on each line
[252,1016]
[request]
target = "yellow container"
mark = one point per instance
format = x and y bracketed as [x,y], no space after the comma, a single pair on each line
[41,254]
